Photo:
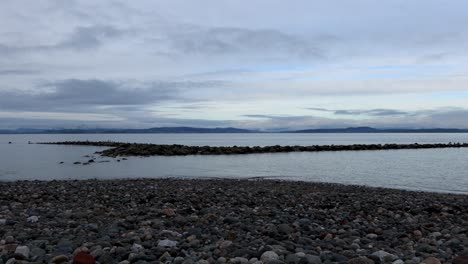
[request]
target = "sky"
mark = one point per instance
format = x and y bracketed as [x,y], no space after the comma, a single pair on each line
[257,64]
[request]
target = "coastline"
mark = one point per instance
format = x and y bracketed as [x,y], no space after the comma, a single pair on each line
[223,220]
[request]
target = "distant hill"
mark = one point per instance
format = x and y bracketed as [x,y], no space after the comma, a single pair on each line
[153,130]
[376,130]
[197,130]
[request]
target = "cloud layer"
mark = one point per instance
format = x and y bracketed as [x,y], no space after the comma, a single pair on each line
[262,64]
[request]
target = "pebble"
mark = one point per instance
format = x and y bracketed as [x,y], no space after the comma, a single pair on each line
[239,260]
[167,243]
[225,244]
[137,247]
[463,259]
[9,240]
[33,219]
[269,255]
[311,259]
[169,212]
[59,259]
[431,260]
[23,251]
[361,260]
[228,221]
[385,257]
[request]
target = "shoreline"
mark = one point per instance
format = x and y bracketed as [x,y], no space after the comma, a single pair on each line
[229,220]
[253,178]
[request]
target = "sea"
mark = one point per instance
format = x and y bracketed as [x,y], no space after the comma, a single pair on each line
[433,170]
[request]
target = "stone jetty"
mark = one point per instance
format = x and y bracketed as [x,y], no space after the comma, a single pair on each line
[139,149]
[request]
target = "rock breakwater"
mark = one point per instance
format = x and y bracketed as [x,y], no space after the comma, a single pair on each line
[139,149]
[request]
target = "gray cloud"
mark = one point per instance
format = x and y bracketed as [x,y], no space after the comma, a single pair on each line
[369,112]
[18,72]
[98,92]
[81,38]
[76,94]
[431,118]
[89,37]
[132,59]
[225,41]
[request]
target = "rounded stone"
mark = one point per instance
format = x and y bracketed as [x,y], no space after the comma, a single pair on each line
[9,240]
[59,259]
[23,251]
[269,255]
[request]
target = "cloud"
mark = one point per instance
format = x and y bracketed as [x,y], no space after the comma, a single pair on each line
[368,112]
[99,92]
[81,38]
[431,118]
[76,94]
[18,72]
[267,44]
[89,37]
[240,63]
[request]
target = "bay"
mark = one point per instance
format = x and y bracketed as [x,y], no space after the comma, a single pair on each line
[439,170]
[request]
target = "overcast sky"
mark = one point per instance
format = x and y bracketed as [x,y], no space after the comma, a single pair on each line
[265,64]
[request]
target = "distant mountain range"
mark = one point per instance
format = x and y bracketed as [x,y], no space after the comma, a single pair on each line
[154,130]
[376,130]
[197,130]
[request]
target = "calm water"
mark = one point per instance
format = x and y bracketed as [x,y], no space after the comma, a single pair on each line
[441,170]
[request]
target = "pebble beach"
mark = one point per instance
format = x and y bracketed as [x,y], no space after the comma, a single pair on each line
[228,221]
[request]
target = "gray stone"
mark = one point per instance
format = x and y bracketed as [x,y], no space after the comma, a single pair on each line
[37,252]
[384,256]
[361,260]
[23,251]
[285,229]
[33,219]
[9,240]
[239,260]
[167,243]
[12,261]
[292,259]
[311,259]
[136,247]
[59,259]
[269,255]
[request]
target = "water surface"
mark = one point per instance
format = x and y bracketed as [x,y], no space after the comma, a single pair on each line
[441,170]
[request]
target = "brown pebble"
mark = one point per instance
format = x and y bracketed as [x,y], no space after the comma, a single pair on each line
[169,212]
[461,260]
[83,258]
